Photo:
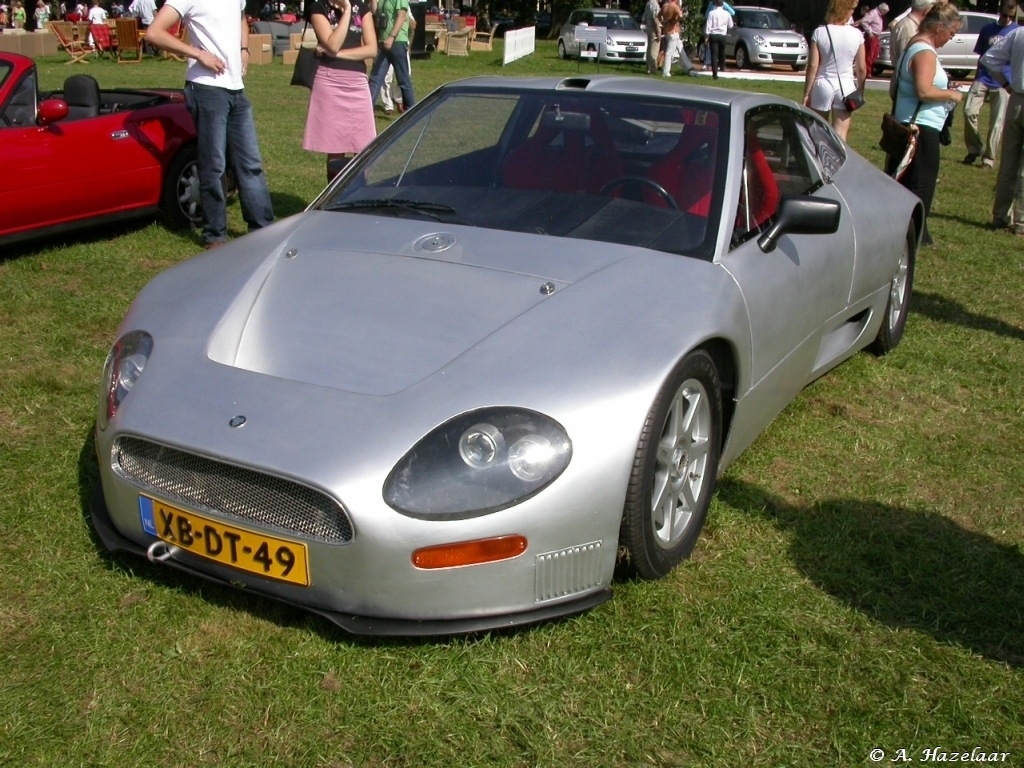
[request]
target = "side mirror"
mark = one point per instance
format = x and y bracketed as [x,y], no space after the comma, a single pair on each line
[51,110]
[800,215]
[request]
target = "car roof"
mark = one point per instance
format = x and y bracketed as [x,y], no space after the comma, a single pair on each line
[622,85]
[602,10]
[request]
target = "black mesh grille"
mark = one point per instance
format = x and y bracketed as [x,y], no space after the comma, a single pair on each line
[231,491]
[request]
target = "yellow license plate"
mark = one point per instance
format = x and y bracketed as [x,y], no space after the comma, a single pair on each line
[229,545]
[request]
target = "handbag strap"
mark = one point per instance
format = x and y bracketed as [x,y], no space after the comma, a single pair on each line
[838,76]
[899,73]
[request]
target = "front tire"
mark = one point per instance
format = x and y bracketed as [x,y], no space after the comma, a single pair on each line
[674,470]
[897,308]
[742,57]
[562,53]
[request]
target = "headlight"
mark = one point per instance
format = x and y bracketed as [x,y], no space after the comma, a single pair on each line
[760,42]
[479,463]
[121,370]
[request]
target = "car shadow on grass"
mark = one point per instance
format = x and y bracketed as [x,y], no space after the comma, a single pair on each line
[907,568]
[937,307]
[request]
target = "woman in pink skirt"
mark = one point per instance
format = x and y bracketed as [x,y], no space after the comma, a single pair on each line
[340,119]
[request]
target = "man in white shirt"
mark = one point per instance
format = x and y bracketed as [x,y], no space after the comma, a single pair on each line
[716,28]
[217,50]
[144,11]
[97,14]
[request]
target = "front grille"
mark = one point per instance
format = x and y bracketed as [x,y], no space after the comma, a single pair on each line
[230,491]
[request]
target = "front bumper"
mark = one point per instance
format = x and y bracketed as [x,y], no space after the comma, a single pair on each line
[115,542]
[770,56]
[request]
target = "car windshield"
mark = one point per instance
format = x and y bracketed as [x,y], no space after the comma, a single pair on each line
[763,20]
[615,21]
[646,172]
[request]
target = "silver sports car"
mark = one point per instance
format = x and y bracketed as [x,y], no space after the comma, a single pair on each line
[509,349]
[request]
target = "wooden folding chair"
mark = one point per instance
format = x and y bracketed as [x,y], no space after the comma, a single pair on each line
[102,40]
[129,41]
[76,49]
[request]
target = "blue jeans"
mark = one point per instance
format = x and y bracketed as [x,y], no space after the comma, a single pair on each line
[225,128]
[397,57]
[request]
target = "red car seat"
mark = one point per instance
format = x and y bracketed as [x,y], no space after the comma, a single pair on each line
[759,196]
[688,170]
[564,155]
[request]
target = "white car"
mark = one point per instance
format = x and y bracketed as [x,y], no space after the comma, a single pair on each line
[763,37]
[623,40]
[957,56]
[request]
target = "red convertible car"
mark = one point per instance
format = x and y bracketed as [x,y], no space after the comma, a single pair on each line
[82,156]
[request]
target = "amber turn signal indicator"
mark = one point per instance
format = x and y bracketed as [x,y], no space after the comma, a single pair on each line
[470,552]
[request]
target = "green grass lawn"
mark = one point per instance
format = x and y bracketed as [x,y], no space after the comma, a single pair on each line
[859,586]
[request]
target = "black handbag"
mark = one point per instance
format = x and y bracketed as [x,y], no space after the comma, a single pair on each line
[896,136]
[305,64]
[854,101]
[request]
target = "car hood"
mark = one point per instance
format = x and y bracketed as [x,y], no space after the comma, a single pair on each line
[774,35]
[373,305]
[628,36]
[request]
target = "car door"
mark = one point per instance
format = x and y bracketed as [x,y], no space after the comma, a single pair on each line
[959,53]
[74,170]
[796,295]
[733,35]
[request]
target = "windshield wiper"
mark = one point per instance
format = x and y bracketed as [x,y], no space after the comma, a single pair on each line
[415,206]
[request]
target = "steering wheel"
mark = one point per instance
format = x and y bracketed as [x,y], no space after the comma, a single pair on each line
[643,181]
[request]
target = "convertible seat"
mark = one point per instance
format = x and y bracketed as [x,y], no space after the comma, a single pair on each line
[565,154]
[759,195]
[82,94]
[687,172]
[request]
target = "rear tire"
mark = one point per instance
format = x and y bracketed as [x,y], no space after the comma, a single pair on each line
[897,308]
[180,199]
[674,470]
